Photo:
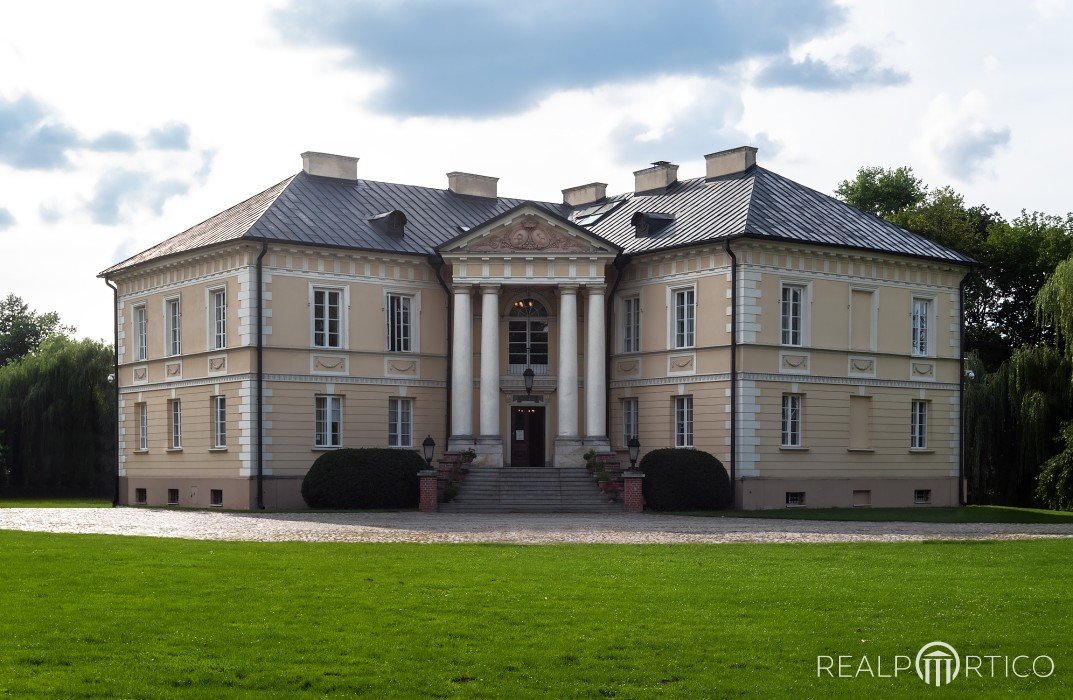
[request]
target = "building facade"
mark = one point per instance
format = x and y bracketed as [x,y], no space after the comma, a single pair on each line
[814,349]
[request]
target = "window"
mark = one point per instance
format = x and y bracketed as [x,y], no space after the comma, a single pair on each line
[329,421]
[791,420]
[860,422]
[631,324]
[400,418]
[527,337]
[173,497]
[327,318]
[629,420]
[792,305]
[919,427]
[684,317]
[176,420]
[174,320]
[216,497]
[795,498]
[143,426]
[399,331]
[862,499]
[683,421]
[219,319]
[141,335]
[219,422]
[922,496]
[141,497]
[921,328]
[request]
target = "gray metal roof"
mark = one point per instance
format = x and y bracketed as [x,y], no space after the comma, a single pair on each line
[757,203]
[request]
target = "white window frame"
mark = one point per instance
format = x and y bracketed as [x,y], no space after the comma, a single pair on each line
[689,331]
[140,324]
[805,305]
[929,326]
[630,332]
[414,300]
[143,427]
[793,420]
[324,437]
[400,422]
[344,311]
[175,424]
[630,422]
[217,318]
[683,421]
[918,425]
[219,422]
[173,327]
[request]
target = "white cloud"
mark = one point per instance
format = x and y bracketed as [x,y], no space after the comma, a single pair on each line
[959,135]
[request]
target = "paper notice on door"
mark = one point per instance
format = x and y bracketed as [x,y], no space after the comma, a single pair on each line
[519,434]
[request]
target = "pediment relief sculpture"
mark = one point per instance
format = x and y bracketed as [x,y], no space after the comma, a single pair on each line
[529,233]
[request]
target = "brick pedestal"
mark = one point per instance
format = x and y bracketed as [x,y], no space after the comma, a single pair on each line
[633,499]
[430,490]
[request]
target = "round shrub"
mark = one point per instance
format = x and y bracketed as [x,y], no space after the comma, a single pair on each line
[684,479]
[364,478]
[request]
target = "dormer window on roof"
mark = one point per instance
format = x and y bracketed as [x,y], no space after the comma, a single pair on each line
[647,224]
[392,223]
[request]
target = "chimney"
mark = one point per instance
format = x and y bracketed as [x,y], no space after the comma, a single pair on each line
[659,177]
[473,185]
[585,194]
[730,162]
[330,165]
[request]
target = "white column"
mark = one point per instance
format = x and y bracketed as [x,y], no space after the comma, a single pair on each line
[595,354]
[490,360]
[462,365]
[567,385]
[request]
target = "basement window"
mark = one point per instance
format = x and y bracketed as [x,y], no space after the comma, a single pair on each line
[795,498]
[140,497]
[922,496]
[216,497]
[173,497]
[862,499]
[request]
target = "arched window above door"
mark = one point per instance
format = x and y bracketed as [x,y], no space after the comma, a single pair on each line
[527,337]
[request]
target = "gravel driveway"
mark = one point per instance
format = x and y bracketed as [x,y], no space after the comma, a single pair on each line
[508,528]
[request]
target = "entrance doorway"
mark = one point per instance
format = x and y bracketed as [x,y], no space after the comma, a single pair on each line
[527,436]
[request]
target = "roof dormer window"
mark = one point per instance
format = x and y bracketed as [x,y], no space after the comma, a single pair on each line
[646,224]
[392,223]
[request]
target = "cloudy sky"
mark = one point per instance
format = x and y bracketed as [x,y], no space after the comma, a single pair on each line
[124,123]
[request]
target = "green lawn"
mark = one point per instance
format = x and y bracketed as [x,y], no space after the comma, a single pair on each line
[923,514]
[55,502]
[98,616]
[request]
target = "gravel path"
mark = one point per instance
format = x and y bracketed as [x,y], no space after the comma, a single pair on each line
[508,528]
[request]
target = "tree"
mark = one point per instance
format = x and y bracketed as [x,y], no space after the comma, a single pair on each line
[22,331]
[882,192]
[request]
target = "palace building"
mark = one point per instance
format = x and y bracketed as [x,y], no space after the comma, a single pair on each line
[814,349]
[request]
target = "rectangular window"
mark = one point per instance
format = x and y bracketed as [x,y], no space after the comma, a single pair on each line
[922,496]
[795,498]
[216,497]
[141,333]
[173,497]
[921,328]
[861,319]
[176,421]
[141,497]
[174,326]
[791,420]
[631,324]
[860,422]
[219,421]
[684,318]
[399,331]
[919,427]
[400,418]
[219,319]
[683,421]
[329,421]
[327,318]
[143,426]
[629,420]
[792,305]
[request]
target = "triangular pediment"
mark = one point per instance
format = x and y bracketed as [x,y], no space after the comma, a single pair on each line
[528,230]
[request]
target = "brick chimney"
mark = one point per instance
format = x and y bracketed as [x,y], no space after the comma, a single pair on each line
[585,194]
[330,165]
[659,177]
[730,162]
[472,185]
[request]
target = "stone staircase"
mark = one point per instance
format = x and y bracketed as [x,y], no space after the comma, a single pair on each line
[529,490]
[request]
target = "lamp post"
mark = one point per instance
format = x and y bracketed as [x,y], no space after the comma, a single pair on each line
[528,375]
[635,447]
[429,448]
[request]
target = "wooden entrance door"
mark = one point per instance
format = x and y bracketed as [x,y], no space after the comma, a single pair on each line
[527,436]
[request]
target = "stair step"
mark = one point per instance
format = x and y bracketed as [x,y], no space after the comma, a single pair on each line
[530,490]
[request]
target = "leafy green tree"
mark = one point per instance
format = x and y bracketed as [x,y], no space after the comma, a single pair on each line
[22,330]
[1054,488]
[882,192]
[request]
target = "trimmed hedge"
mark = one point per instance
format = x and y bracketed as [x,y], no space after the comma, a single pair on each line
[368,477]
[684,479]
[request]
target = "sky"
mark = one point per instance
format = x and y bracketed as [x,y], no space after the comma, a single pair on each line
[124,123]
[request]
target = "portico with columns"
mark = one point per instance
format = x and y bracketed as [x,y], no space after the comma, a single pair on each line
[528,291]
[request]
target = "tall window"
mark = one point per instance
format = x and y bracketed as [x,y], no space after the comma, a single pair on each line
[683,421]
[527,337]
[143,427]
[176,421]
[219,319]
[631,324]
[219,421]
[400,416]
[919,425]
[792,307]
[921,330]
[175,323]
[791,420]
[399,330]
[684,317]
[329,421]
[141,333]
[629,420]
[327,318]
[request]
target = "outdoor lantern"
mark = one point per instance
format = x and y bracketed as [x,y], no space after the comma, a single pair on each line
[429,447]
[528,375]
[635,446]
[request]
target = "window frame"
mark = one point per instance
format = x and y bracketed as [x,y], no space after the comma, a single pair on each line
[918,424]
[683,418]
[527,320]
[175,424]
[344,309]
[217,318]
[143,426]
[140,326]
[219,422]
[689,331]
[333,407]
[929,325]
[630,328]
[173,327]
[792,428]
[804,303]
[631,411]
[395,428]
[412,324]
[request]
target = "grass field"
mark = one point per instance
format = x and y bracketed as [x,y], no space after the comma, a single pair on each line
[55,503]
[98,616]
[967,514]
